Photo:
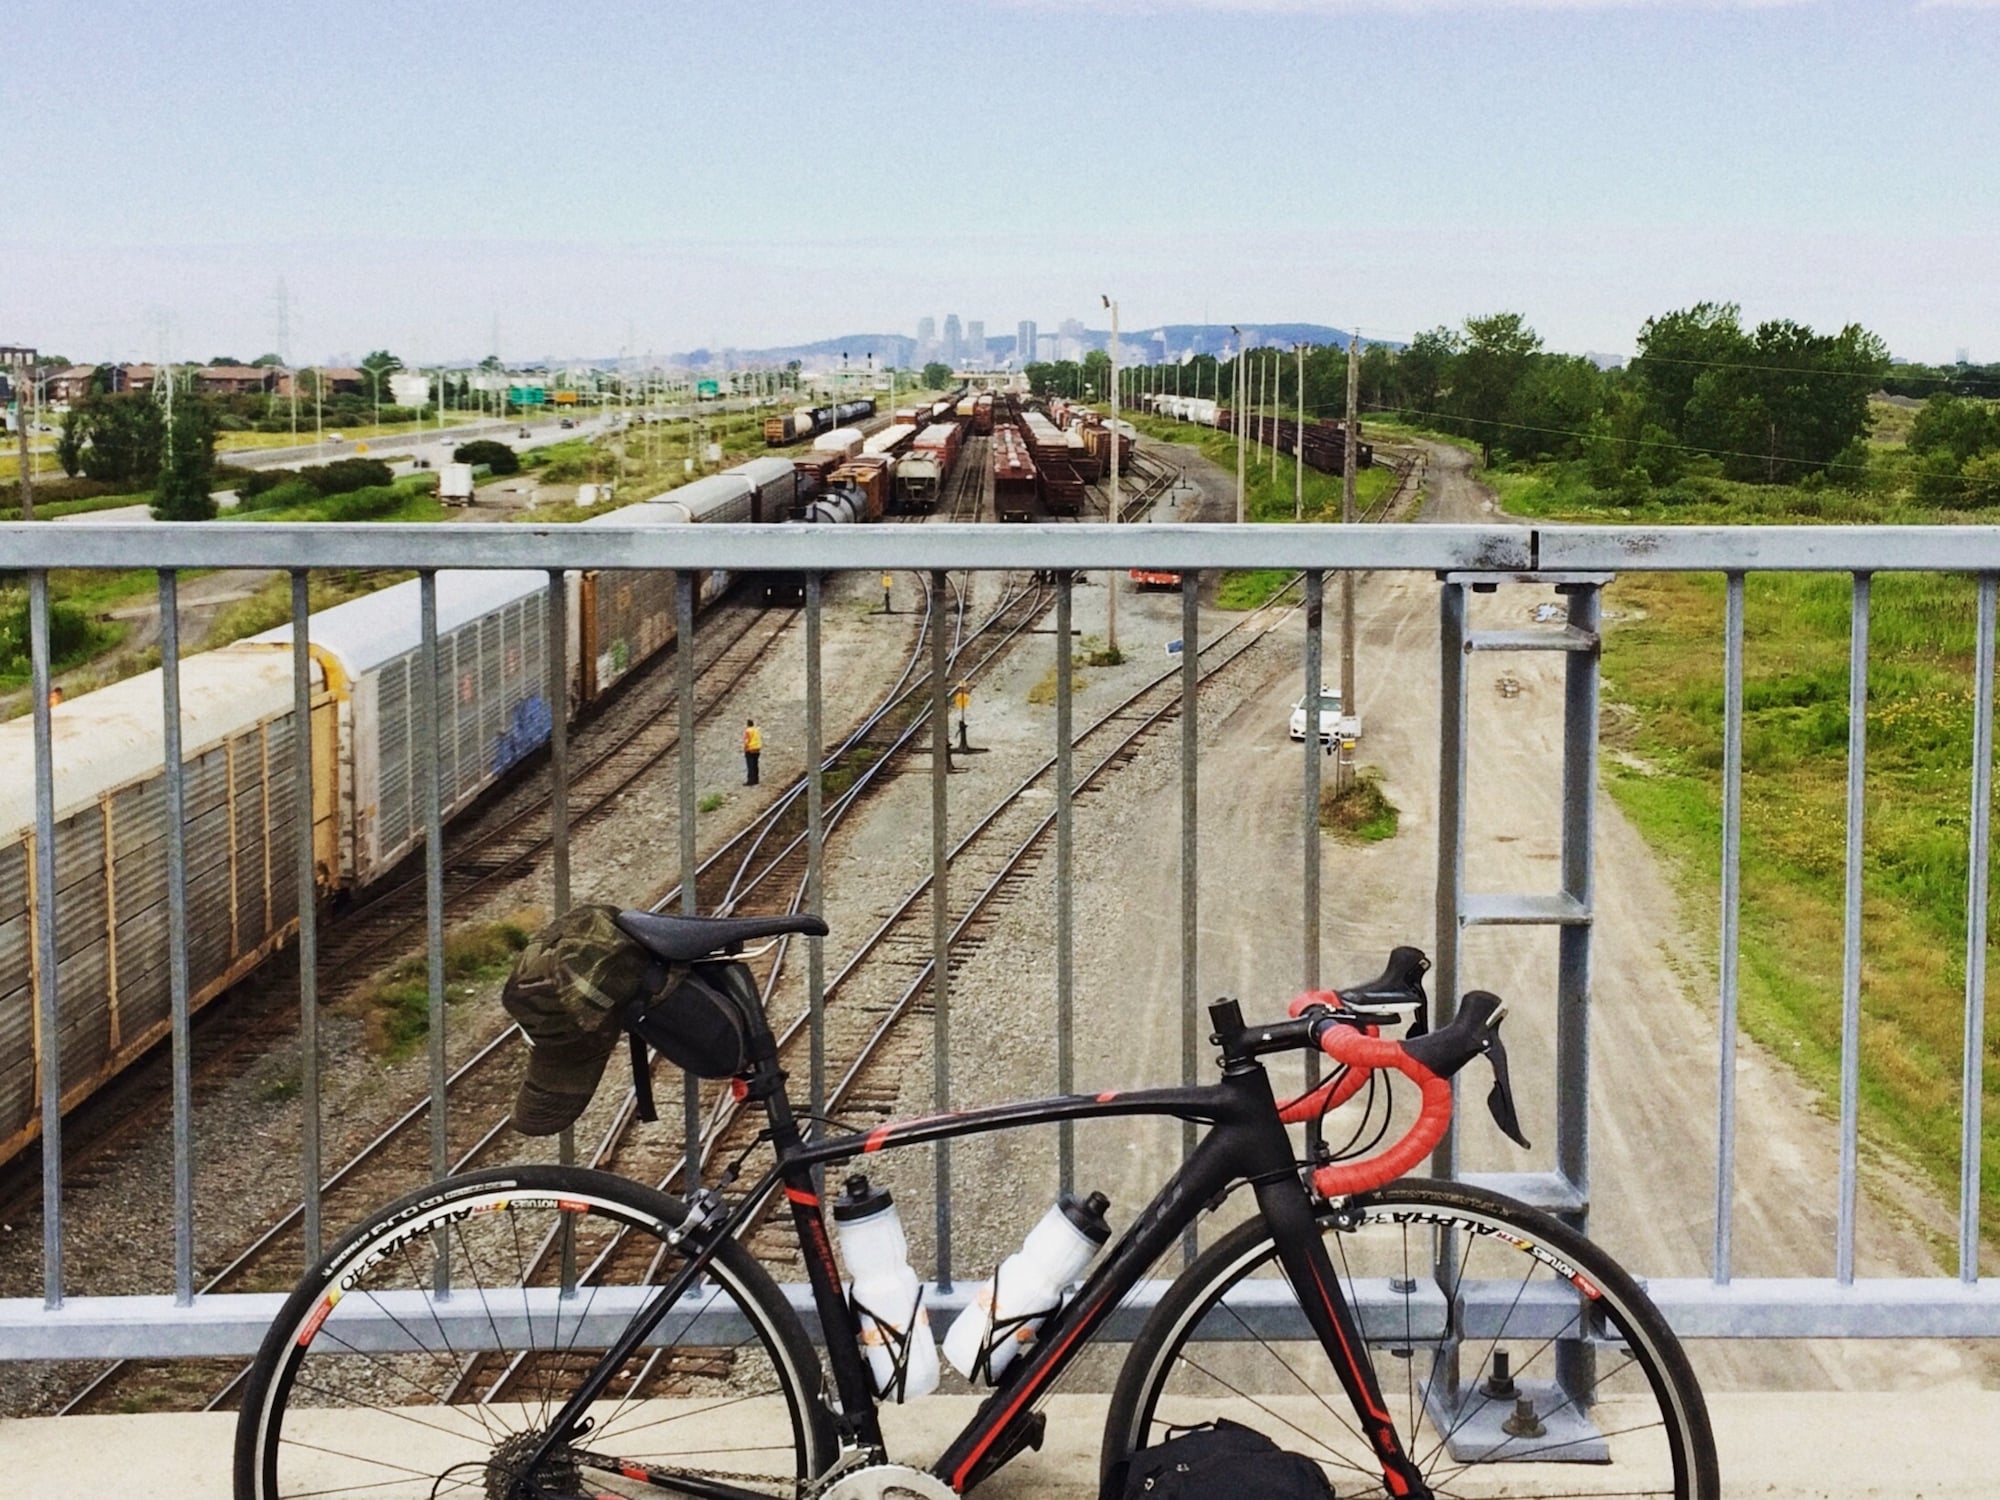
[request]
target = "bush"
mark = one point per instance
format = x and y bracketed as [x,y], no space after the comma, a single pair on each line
[345,474]
[291,492]
[71,636]
[497,457]
[1982,481]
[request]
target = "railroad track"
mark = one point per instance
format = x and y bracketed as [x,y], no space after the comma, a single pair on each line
[967,496]
[480,1092]
[496,843]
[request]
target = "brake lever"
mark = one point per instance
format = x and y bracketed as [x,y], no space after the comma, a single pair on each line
[1500,1098]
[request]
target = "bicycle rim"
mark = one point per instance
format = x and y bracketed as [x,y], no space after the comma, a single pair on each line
[1514,1357]
[373,1384]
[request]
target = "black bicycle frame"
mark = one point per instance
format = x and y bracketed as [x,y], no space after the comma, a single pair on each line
[1245,1144]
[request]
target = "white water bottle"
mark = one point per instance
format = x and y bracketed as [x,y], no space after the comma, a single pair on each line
[888,1299]
[1004,1314]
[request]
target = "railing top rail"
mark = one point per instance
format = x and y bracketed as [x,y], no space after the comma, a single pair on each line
[1864,549]
[251,545]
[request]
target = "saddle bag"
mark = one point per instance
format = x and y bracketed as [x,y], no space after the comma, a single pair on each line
[1222,1459]
[700,1020]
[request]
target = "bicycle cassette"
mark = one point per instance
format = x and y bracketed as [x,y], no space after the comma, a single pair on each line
[887,1482]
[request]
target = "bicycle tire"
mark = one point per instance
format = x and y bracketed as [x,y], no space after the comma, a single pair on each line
[328,1408]
[1448,1315]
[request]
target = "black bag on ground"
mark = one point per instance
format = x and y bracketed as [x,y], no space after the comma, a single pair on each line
[1218,1459]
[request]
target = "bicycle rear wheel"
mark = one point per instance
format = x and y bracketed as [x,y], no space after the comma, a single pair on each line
[1516,1358]
[426,1353]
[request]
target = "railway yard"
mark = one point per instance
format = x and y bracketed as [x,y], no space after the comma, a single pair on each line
[1653,1042]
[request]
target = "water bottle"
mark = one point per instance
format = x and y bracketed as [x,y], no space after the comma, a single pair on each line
[888,1299]
[1005,1312]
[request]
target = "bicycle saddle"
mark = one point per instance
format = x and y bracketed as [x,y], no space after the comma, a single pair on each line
[686,940]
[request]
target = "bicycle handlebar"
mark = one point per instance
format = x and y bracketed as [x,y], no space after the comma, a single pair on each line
[1429,1061]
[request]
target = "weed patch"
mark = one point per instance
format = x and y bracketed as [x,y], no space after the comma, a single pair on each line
[1360,812]
[396,1004]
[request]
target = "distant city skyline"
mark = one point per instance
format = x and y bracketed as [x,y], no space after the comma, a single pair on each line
[1587,163]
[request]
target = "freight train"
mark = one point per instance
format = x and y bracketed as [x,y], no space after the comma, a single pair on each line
[808,421]
[1325,442]
[237,732]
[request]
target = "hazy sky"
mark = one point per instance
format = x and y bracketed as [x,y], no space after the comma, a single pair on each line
[597,178]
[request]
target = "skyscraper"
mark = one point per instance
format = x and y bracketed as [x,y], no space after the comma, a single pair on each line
[1024,341]
[1070,339]
[952,339]
[975,343]
[926,337]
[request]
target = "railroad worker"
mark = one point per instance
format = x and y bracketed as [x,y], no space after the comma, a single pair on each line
[753,746]
[55,695]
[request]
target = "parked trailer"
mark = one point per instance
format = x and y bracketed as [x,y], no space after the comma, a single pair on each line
[455,484]
[1016,486]
[112,984]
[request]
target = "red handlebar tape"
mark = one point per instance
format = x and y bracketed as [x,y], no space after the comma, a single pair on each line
[1362,1052]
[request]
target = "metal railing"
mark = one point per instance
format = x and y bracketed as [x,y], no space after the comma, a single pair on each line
[70,1322]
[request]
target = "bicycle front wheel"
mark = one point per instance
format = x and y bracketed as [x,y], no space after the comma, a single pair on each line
[1516,1358]
[427,1353]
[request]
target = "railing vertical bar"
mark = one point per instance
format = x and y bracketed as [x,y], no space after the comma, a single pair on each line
[1309,810]
[1978,868]
[1065,896]
[174,775]
[940,916]
[45,943]
[684,590]
[1850,988]
[1190,850]
[428,749]
[1732,895]
[815,847]
[307,852]
[1453,708]
[558,691]
[556,678]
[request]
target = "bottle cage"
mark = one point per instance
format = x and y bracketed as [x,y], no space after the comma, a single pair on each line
[898,1340]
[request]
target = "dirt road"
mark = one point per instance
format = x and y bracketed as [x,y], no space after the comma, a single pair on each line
[1654,1043]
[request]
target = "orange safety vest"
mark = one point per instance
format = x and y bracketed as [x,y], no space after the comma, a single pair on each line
[752,740]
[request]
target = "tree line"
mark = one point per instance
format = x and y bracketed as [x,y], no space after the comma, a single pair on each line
[1776,403]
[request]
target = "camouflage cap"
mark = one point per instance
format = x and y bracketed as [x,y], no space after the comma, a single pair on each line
[568,993]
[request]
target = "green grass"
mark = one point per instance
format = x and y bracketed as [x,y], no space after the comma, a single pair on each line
[1663,660]
[711,802]
[1360,812]
[396,1006]
[1251,588]
[52,509]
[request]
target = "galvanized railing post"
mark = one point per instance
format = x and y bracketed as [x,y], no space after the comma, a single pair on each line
[1452,709]
[49,1014]
[1579,808]
[556,684]
[1309,813]
[1972,1082]
[175,778]
[1190,850]
[306,852]
[940,919]
[1065,902]
[430,731]
[684,587]
[1732,897]
[1850,987]
[815,850]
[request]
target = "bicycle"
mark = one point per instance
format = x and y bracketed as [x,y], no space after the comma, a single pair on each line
[1415,1337]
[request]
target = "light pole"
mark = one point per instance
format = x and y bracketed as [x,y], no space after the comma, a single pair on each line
[1236,401]
[1111,582]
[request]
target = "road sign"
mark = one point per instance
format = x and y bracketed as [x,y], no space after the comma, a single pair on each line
[1173,648]
[705,390]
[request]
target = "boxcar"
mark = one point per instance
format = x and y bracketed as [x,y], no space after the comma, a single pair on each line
[112,977]
[492,699]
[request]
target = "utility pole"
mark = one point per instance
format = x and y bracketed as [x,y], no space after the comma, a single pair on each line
[1236,401]
[1111,579]
[1271,379]
[1347,702]
[1299,446]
